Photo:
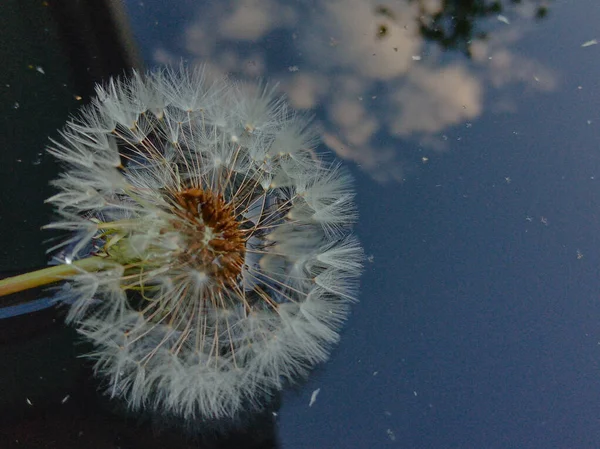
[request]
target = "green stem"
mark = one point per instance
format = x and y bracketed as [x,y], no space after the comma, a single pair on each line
[50,275]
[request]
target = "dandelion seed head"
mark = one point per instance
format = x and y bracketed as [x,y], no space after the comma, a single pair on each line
[228,238]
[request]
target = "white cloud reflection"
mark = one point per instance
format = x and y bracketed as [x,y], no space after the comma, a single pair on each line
[252,19]
[375,91]
[343,35]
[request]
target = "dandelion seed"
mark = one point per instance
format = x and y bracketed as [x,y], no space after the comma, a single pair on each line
[209,255]
[503,19]
[313,397]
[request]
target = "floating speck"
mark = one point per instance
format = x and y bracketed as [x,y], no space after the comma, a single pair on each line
[28,401]
[16,105]
[40,69]
[416,58]
[65,399]
[391,435]
[590,43]
[503,19]
[313,397]
[293,68]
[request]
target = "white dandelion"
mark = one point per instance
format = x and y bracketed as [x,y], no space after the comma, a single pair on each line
[210,258]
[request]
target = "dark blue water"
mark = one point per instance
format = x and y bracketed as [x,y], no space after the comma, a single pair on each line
[477,174]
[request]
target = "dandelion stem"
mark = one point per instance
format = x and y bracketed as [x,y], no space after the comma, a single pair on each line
[51,274]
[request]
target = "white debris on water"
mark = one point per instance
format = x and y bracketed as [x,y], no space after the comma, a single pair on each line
[313,397]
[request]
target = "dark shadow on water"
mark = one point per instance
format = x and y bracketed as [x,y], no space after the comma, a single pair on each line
[49,399]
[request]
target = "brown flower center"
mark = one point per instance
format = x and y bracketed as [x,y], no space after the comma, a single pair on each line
[217,245]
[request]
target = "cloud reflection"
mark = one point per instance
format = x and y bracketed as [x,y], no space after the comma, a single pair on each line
[365,69]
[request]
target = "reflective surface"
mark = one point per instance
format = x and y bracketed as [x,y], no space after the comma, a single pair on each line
[474,144]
